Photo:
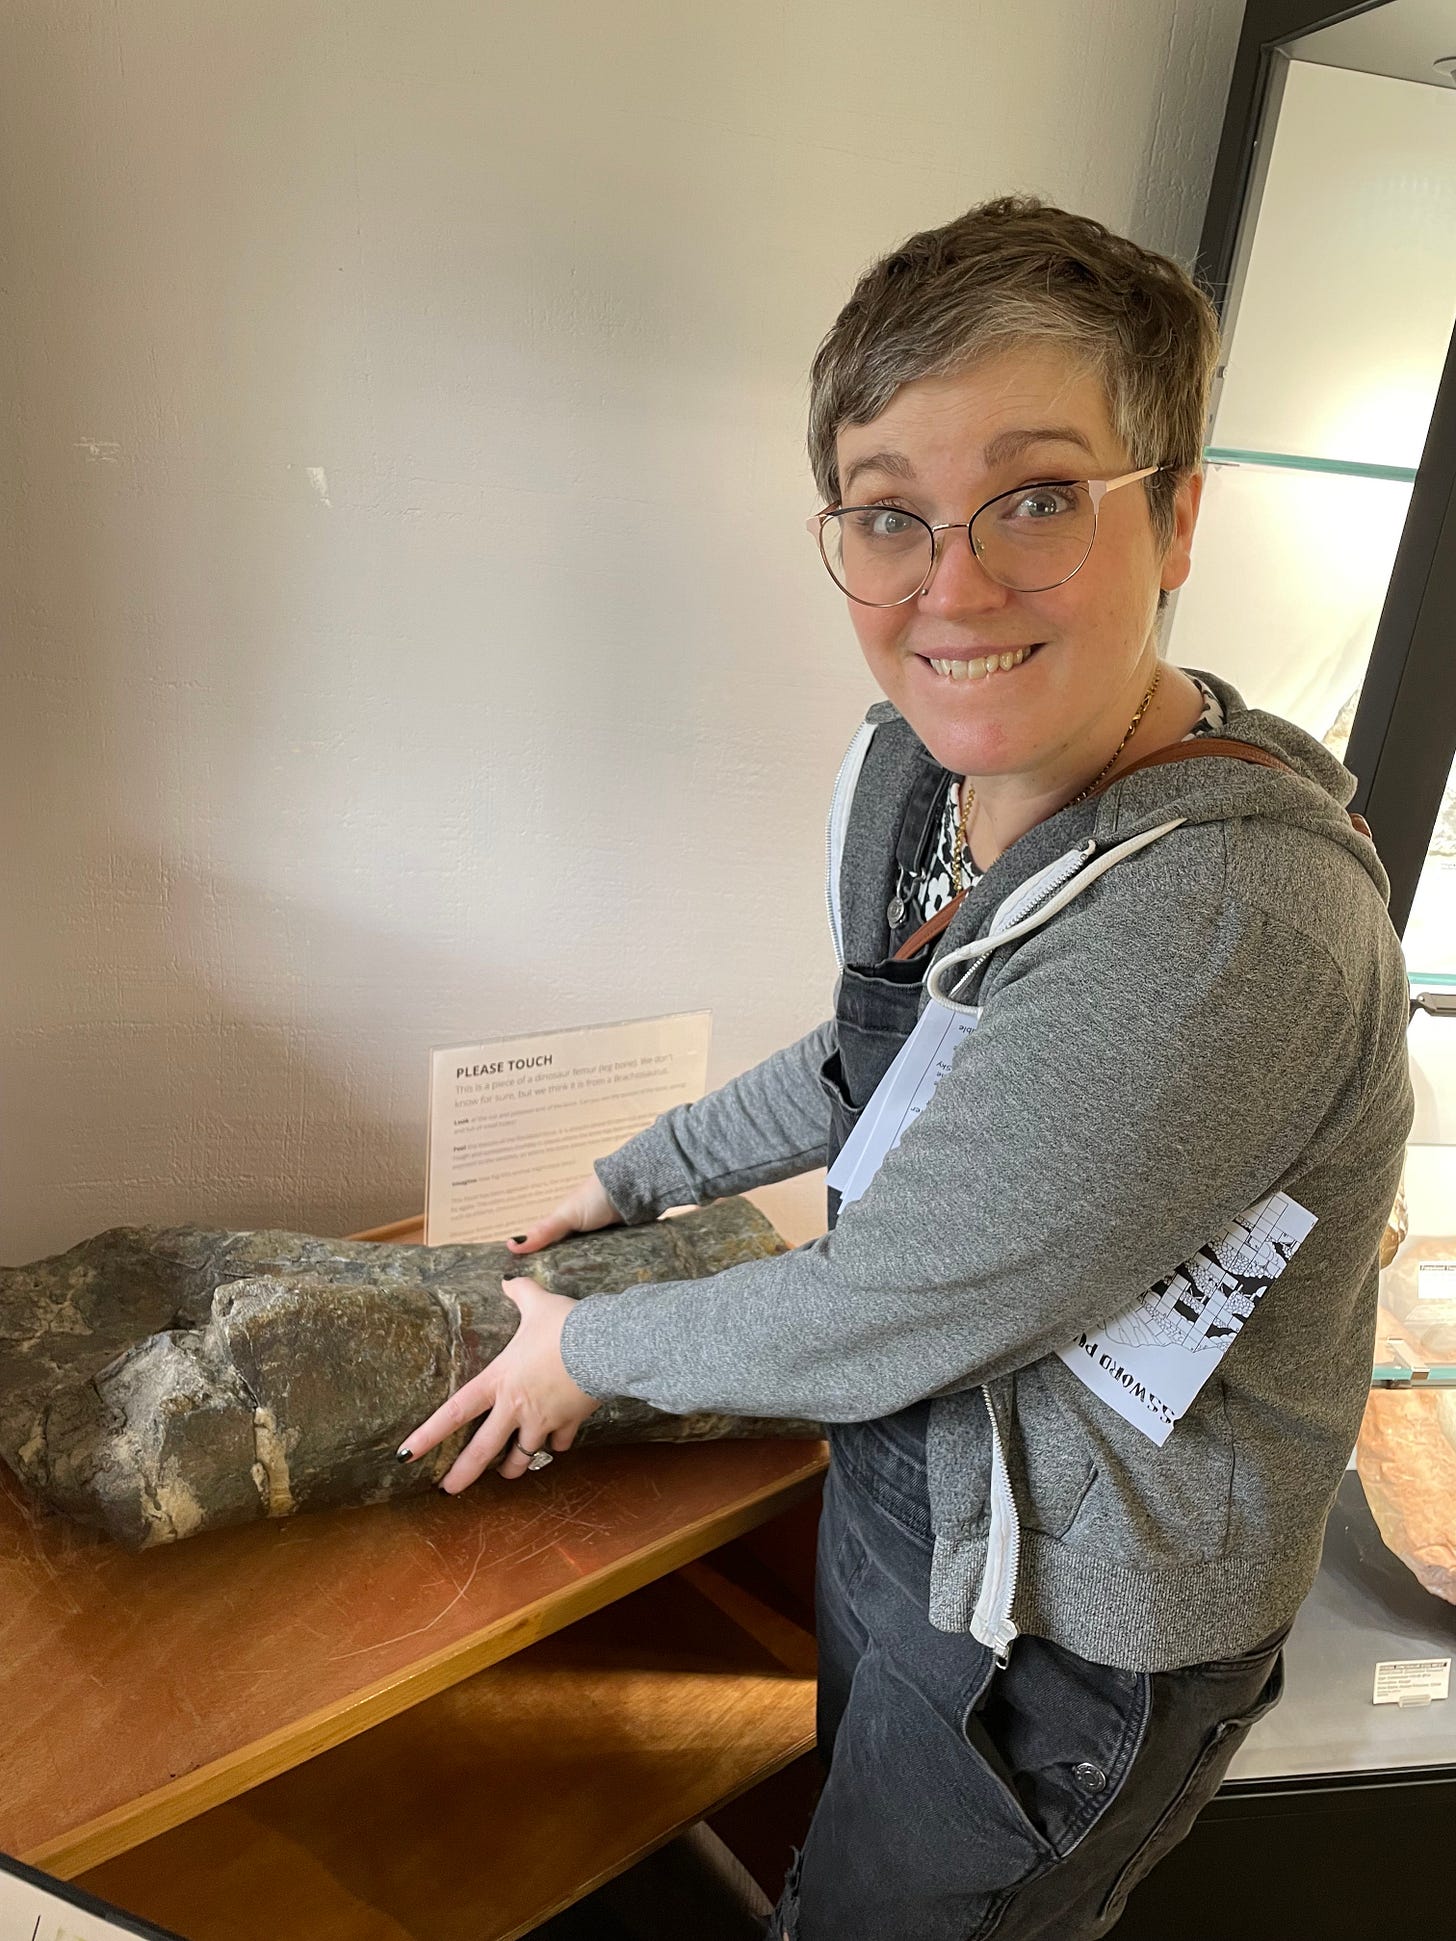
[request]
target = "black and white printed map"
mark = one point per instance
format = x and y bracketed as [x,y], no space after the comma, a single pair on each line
[1150,1361]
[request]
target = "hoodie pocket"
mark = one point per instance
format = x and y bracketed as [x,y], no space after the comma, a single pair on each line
[1130,1501]
[1052,1468]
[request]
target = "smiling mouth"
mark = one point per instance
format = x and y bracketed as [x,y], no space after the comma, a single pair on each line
[979,668]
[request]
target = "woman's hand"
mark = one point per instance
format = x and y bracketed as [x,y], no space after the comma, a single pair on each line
[585,1208]
[525,1392]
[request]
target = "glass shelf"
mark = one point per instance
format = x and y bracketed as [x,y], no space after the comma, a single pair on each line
[1295,462]
[1415,1338]
[1400,1365]
[1345,295]
[1415,1343]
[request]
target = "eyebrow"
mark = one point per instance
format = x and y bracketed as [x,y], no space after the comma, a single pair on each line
[1006,444]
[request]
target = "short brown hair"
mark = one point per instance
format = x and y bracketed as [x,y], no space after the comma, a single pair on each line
[1010,273]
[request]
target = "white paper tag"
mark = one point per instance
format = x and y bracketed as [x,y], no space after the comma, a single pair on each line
[900,1097]
[1412,1681]
[1436,1280]
[1152,1359]
[34,1907]
[925,1057]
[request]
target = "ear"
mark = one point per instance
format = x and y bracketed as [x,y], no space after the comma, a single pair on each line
[1178,558]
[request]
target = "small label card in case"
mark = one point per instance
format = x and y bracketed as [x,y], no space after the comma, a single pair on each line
[1412,1681]
[516,1122]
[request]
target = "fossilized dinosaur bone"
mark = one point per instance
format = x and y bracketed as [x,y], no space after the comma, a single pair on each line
[156,1382]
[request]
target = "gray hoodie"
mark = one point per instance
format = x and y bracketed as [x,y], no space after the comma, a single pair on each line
[1221,1016]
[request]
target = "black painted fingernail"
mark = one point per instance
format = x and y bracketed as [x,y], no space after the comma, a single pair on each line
[404,1455]
[518,1238]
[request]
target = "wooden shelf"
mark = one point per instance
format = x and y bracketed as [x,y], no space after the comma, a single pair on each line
[453,1716]
[206,1667]
[482,1811]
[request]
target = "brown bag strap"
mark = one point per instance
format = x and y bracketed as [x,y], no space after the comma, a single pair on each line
[1188,751]
[1183,751]
[932,927]
[1238,751]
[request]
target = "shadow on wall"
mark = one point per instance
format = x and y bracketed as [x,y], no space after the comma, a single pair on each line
[277,1078]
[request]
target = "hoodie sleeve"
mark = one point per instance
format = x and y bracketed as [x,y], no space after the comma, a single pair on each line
[765,1125]
[1132,1086]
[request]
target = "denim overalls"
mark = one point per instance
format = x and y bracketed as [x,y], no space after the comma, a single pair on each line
[878,1003]
[875,1011]
[961,1801]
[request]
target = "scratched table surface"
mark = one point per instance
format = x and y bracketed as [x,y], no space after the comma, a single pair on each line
[138,1691]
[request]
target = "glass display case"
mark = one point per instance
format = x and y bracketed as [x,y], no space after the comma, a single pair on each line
[1337,320]
[1338,304]
[1324,587]
[1386,1593]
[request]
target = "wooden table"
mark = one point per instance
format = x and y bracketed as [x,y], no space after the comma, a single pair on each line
[449,1717]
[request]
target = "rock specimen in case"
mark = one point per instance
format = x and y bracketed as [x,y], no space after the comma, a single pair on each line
[1406,1457]
[1406,1454]
[155,1382]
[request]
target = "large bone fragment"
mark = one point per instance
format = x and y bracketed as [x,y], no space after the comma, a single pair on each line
[156,1382]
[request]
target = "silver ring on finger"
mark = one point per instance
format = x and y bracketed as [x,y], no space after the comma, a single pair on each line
[535,1458]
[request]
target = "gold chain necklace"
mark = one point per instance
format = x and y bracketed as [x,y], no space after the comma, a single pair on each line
[969,794]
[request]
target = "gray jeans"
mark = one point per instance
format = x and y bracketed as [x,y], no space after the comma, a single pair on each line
[963,1801]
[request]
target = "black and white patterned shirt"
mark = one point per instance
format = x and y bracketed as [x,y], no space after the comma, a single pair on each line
[936,886]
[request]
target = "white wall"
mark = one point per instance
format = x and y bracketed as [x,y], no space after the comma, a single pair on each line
[410,632]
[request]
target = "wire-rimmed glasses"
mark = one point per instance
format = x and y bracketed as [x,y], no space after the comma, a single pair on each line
[883,555]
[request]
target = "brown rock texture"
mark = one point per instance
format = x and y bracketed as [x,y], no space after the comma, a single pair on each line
[1406,1454]
[1407,1462]
[158,1382]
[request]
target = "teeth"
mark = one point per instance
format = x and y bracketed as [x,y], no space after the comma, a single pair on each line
[976,670]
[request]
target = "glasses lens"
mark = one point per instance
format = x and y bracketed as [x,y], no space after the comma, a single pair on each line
[1036,536]
[877,553]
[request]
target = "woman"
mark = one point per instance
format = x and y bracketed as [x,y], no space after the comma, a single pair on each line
[1052,1586]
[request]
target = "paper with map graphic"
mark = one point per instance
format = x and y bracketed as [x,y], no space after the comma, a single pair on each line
[1152,1359]
[901,1096]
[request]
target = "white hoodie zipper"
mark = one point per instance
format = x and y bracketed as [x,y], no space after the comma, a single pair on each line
[1039,888]
[1079,870]
[991,1620]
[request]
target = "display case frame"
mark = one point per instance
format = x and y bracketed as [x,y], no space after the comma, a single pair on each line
[1403,740]
[1281,1852]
